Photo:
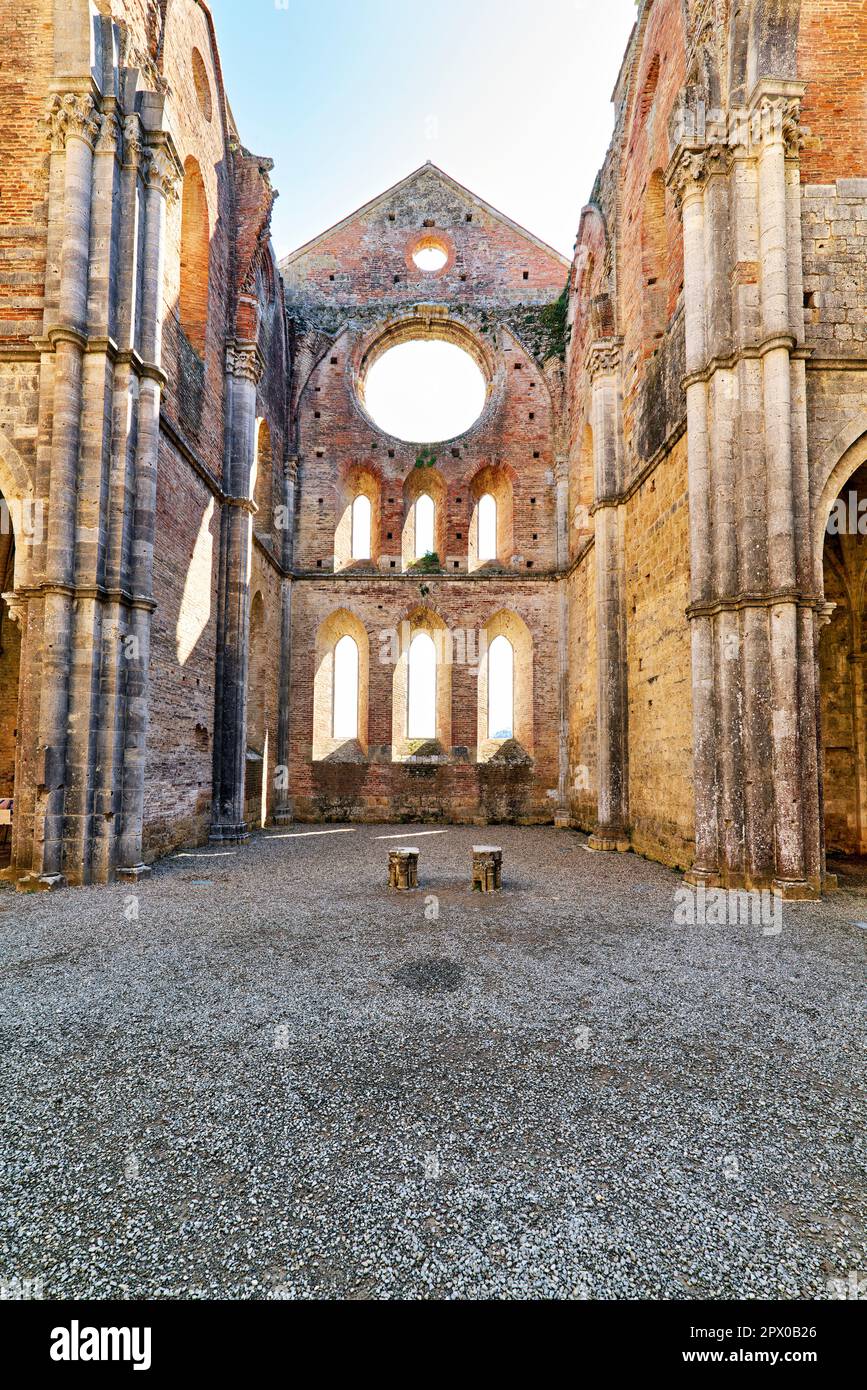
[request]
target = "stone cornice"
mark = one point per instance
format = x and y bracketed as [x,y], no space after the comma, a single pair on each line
[709,608]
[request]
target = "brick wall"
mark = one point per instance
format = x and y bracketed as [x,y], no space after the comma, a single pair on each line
[832,41]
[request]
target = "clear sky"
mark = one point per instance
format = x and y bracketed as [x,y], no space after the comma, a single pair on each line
[510,97]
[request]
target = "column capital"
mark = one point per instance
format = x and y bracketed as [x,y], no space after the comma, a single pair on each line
[774,111]
[245,360]
[687,171]
[163,171]
[602,357]
[72,114]
[133,140]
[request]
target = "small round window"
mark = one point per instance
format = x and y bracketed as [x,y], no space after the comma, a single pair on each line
[430,256]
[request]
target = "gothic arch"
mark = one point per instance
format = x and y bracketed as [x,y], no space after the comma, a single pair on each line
[841,459]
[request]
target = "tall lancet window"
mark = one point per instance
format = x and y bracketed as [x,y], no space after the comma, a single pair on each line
[361,517]
[422,691]
[501,689]
[487,527]
[346,688]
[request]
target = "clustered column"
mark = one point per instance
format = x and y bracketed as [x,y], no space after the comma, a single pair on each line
[603,369]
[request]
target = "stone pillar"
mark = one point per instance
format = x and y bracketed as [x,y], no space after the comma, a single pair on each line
[757,791]
[603,369]
[74,124]
[244,367]
[283,801]
[163,178]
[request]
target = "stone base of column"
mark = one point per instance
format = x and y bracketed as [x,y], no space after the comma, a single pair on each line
[699,875]
[40,883]
[793,890]
[487,868]
[284,816]
[607,838]
[562,821]
[134,874]
[403,868]
[229,834]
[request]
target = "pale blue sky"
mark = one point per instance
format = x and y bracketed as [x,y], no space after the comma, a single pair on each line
[510,97]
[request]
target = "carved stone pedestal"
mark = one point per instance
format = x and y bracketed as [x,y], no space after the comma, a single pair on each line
[487,868]
[403,867]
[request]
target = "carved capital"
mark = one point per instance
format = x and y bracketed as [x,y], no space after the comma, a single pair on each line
[17,605]
[687,172]
[602,358]
[245,360]
[109,138]
[133,143]
[72,114]
[163,174]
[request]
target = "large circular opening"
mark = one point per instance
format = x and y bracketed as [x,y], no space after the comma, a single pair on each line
[425,390]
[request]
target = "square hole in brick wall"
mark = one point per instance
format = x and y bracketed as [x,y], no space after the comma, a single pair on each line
[334,361]
[390,536]
[317,415]
[532,501]
[532,414]
[526,274]
[460,535]
[456,453]
[457,564]
[391,217]
[529,564]
[393,564]
[319,564]
[535,453]
[391,453]
[469,217]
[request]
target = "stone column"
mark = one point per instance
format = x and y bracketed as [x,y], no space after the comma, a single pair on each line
[283,800]
[244,367]
[778,343]
[688,175]
[163,178]
[74,124]
[603,369]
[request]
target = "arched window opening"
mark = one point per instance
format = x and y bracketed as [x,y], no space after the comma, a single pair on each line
[361,527]
[487,527]
[422,687]
[501,689]
[424,526]
[264,481]
[346,688]
[195,244]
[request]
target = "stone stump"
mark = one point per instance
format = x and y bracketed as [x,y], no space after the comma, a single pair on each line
[403,867]
[487,868]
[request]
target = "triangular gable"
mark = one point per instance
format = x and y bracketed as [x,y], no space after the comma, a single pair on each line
[392,194]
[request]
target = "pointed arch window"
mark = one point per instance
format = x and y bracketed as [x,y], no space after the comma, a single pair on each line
[346,688]
[422,687]
[487,527]
[425,513]
[361,527]
[501,689]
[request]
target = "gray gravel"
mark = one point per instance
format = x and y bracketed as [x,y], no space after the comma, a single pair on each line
[264,1075]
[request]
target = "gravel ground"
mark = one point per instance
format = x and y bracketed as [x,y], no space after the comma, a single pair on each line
[263,1075]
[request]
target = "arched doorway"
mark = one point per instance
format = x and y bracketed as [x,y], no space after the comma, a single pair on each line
[10,669]
[843,679]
